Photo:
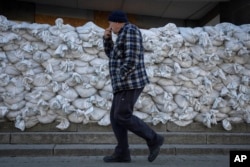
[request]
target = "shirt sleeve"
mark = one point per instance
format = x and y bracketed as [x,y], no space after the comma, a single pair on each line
[108,45]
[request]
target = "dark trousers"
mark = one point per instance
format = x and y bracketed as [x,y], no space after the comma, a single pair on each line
[122,120]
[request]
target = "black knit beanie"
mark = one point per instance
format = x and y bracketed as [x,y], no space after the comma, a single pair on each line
[118,16]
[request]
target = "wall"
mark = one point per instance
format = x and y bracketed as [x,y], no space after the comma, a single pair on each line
[235,11]
[23,11]
[20,11]
[59,73]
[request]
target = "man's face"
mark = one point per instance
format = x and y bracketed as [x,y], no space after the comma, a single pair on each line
[115,28]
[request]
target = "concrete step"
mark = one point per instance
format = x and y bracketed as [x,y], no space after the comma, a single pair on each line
[94,127]
[109,138]
[92,133]
[10,150]
[94,140]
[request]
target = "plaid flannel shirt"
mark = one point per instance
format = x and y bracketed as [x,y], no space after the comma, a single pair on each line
[126,59]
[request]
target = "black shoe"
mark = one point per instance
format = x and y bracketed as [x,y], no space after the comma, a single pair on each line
[154,150]
[117,158]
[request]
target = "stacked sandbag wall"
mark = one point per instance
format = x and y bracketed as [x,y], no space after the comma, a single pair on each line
[60,73]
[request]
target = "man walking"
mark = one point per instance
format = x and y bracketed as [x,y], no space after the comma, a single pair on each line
[128,78]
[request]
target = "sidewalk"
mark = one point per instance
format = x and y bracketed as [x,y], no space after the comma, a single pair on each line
[137,161]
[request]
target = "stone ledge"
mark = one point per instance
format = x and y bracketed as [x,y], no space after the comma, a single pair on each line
[5,138]
[94,127]
[26,150]
[225,138]
[101,150]
[198,127]
[109,138]
[208,149]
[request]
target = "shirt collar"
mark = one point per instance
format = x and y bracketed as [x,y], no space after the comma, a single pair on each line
[123,28]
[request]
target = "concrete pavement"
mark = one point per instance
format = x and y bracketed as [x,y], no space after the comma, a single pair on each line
[137,161]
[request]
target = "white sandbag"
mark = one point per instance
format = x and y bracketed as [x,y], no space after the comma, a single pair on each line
[84,69]
[85,90]
[19,123]
[246,116]
[173,89]
[4,23]
[160,117]
[75,118]
[167,107]
[69,94]
[85,57]
[49,117]
[97,114]
[3,56]
[105,121]
[102,55]
[16,106]
[231,68]
[23,65]
[97,62]
[163,98]
[91,50]
[11,70]
[8,37]
[190,35]
[204,40]
[233,45]
[4,79]
[74,80]
[13,98]
[106,95]
[165,82]
[97,82]
[241,35]
[153,90]
[52,41]
[209,118]
[226,125]
[10,47]
[29,110]
[225,110]
[184,60]
[40,56]
[67,66]
[235,120]
[185,114]
[60,76]
[141,115]
[30,121]
[220,116]
[3,111]
[144,104]
[55,104]
[181,101]
[88,27]
[47,95]
[82,104]
[42,79]
[64,124]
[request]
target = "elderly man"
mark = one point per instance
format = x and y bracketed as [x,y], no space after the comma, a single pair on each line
[128,78]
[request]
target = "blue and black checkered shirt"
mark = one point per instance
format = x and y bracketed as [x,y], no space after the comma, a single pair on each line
[126,59]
